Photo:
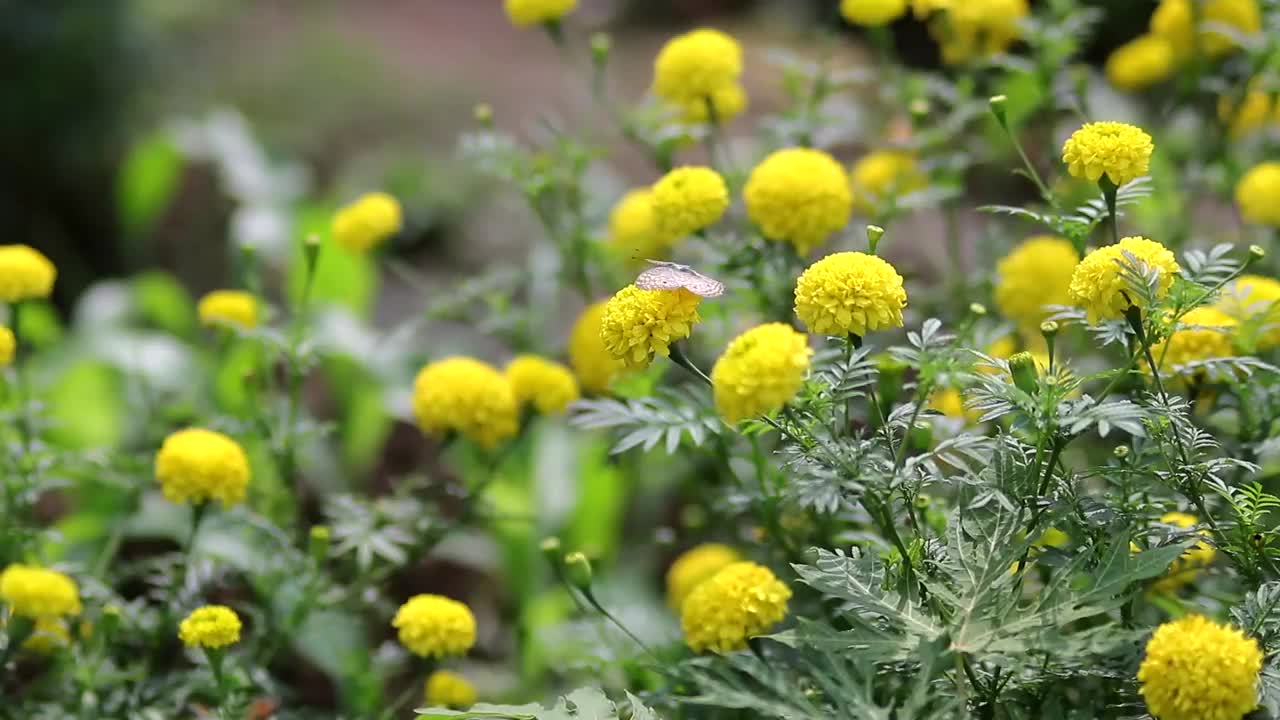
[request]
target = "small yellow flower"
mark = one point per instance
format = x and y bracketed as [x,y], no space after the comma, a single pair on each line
[633,232]
[33,592]
[523,13]
[548,386]
[1196,669]
[974,29]
[1140,63]
[211,626]
[1258,194]
[1251,297]
[688,199]
[8,346]
[1174,20]
[1188,565]
[196,466]
[435,626]
[230,307]
[25,274]
[590,359]
[850,293]
[367,222]
[1120,151]
[694,66]
[950,403]
[760,371]
[49,635]
[879,178]
[1245,115]
[728,101]
[693,567]
[872,13]
[1035,274]
[639,324]
[450,690]
[466,396]
[799,196]
[1096,284]
[741,601]
[1203,333]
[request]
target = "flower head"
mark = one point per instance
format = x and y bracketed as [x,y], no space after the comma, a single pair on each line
[523,13]
[760,371]
[34,592]
[688,199]
[740,602]
[435,626]
[1175,21]
[1196,669]
[367,222]
[1244,115]
[850,293]
[693,66]
[1258,194]
[196,466]
[594,365]
[230,307]
[693,567]
[49,635]
[1254,298]
[1097,284]
[727,101]
[450,690]
[1118,150]
[211,626]
[1141,63]
[466,396]
[966,31]
[639,324]
[548,385]
[872,13]
[1202,334]
[950,402]
[799,196]
[1035,274]
[8,346]
[25,274]
[1188,565]
[633,232]
[880,177]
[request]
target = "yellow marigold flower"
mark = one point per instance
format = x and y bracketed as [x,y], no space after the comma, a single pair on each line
[1035,274]
[435,626]
[1190,563]
[1096,284]
[33,592]
[882,176]
[688,199]
[1258,194]
[741,601]
[1118,150]
[1140,63]
[850,293]
[588,356]
[466,396]
[367,222]
[196,466]
[693,66]
[1203,333]
[760,371]
[8,346]
[231,307]
[523,13]
[799,196]
[1254,296]
[1251,113]
[1196,669]
[639,324]
[1174,20]
[633,232]
[872,13]
[450,690]
[49,635]
[25,274]
[211,626]
[950,403]
[693,567]
[966,31]
[728,101]
[548,385]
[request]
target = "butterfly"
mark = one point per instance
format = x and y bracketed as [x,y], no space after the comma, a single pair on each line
[673,276]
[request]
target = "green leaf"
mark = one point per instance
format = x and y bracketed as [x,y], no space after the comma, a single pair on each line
[581,704]
[164,302]
[147,182]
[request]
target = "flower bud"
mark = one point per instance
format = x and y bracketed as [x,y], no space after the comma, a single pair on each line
[483,113]
[1049,328]
[578,571]
[110,621]
[601,44]
[1256,253]
[978,309]
[997,105]
[874,233]
[1022,366]
[1121,451]
[550,548]
[318,545]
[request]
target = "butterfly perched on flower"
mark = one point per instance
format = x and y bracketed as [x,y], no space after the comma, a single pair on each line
[674,276]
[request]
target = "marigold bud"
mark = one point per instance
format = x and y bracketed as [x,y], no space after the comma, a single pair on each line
[578,571]
[1022,366]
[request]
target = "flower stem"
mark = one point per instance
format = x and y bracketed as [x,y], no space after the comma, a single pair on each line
[678,357]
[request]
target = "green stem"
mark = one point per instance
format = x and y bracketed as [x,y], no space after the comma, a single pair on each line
[679,358]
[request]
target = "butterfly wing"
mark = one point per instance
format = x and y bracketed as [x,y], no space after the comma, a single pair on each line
[660,277]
